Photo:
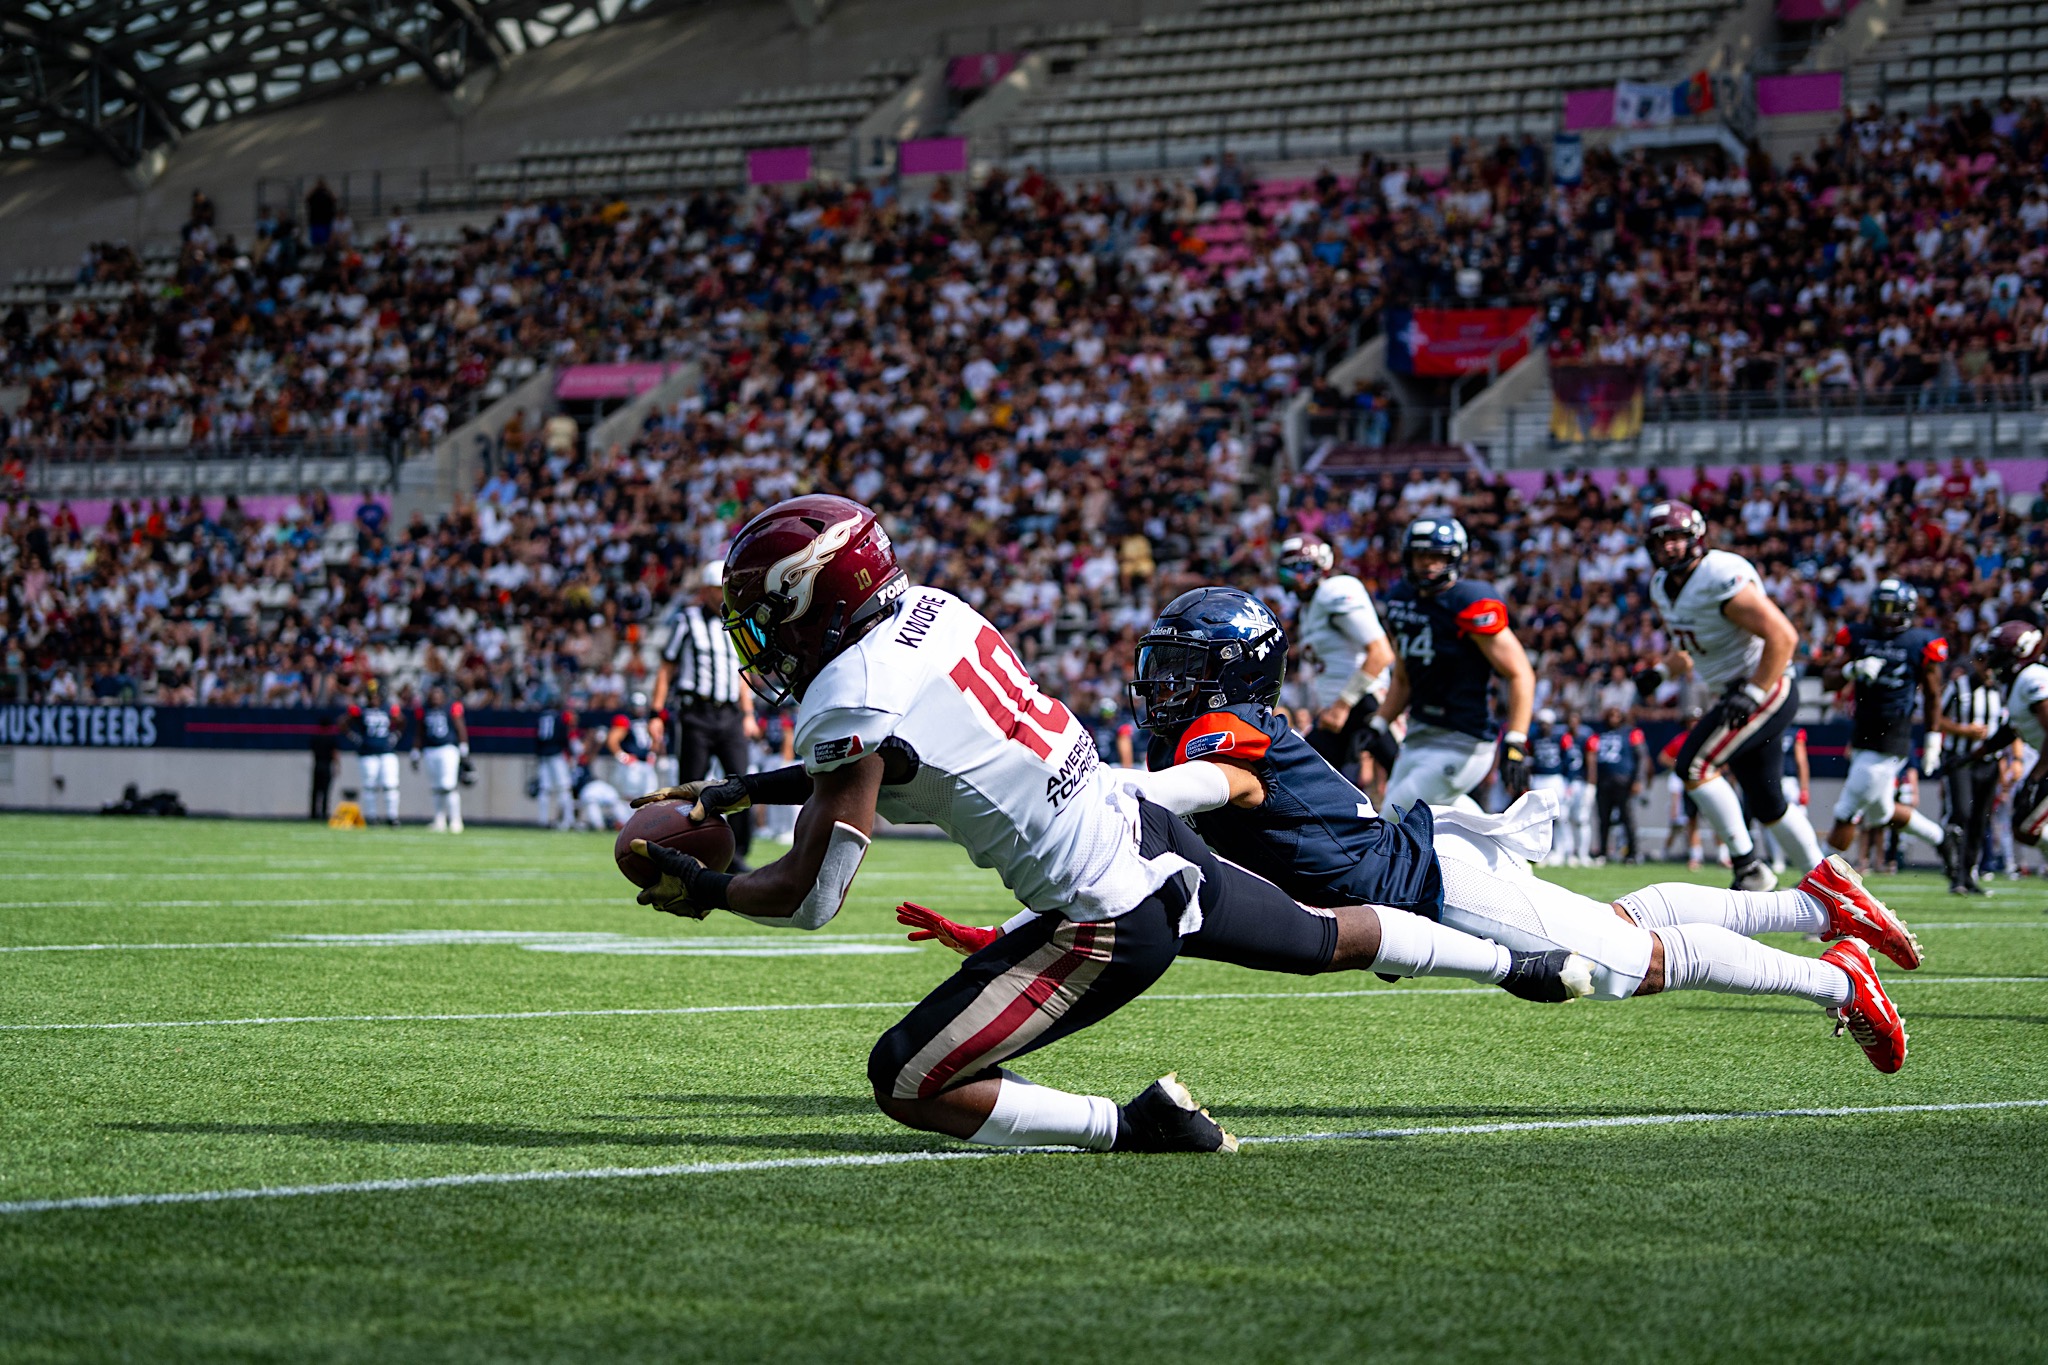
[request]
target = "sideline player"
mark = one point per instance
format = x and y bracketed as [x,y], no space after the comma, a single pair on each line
[1723,626]
[1550,755]
[376,729]
[1344,650]
[632,743]
[1895,667]
[1451,639]
[440,736]
[553,731]
[1274,807]
[911,705]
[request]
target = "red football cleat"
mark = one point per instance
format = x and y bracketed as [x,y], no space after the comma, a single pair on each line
[1854,913]
[1870,1017]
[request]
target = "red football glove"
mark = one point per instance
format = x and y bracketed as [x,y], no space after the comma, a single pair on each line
[963,939]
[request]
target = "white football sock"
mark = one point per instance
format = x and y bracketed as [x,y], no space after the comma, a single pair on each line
[1706,957]
[1920,827]
[1794,833]
[1028,1115]
[1748,913]
[1413,946]
[454,808]
[391,803]
[1723,810]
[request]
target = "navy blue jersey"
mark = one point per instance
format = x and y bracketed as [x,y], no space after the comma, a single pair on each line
[1450,683]
[1618,752]
[1107,732]
[1311,836]
[376,729]
[638,739]
[437,726]
[1546,750]
[551,732]
[1575,742]
[1886,704]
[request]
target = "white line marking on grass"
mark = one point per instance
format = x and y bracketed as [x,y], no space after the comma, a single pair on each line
[434,1182]
[1642,1121]
[695,1009]
[544,941]
[1162,996]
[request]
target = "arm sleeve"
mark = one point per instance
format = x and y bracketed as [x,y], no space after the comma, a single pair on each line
[790,786]
[1182,790]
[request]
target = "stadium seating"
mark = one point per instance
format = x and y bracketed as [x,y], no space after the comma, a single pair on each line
[1312,78]
[662,153]
[1959,51]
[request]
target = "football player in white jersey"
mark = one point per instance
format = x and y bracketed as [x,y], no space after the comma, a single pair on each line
[912,705]
[1344,652]
[2013,654]
[1724,627]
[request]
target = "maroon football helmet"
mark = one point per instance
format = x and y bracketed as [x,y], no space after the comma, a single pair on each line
[804,580]
[1675,534]
[2010,648]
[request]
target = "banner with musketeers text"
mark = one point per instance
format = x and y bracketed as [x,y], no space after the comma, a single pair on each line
[1596,402]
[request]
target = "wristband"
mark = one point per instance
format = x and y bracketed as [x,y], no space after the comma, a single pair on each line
[712,890]
[1516,737]
[1755,693]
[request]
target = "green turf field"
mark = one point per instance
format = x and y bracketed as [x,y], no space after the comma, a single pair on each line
[1471,1175]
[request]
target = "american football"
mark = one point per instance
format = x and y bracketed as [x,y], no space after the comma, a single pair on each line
[668,824]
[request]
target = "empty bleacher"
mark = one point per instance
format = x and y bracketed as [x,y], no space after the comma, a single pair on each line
[665,152]
[1302,78]
[1955,52]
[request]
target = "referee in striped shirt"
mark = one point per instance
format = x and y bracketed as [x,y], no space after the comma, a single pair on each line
[1972,699]
[712,708]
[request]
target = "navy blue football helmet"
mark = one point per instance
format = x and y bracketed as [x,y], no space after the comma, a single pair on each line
[1210,648]
[1435,536]
[1894,604]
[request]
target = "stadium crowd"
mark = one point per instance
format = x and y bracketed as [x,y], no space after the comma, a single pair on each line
[1052,394]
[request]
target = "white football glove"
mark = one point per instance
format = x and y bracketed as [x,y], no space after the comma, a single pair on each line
[1863,670]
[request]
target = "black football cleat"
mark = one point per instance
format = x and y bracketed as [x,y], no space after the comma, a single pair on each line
[1951,850]
[1548,978]
[1165,1118]
[1752,873]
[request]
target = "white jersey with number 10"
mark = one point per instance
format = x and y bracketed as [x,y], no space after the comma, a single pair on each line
[1721,651]
[1007,772]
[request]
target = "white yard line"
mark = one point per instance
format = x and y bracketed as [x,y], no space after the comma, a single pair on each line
[693,1168]
[699,1009]
[1379,993]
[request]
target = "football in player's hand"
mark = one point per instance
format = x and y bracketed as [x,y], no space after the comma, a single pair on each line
[668,823]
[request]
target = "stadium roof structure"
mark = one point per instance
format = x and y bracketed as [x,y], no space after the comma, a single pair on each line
[129,78]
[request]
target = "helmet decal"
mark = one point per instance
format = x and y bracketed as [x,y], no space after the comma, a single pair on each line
[793,575]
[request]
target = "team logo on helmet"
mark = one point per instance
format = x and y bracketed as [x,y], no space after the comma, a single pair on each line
[793,576]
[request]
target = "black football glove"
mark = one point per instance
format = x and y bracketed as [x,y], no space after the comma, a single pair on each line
[1739,703]
[1379,742]
[714,798]
[1514,767]
[683,885]
[1647,682]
